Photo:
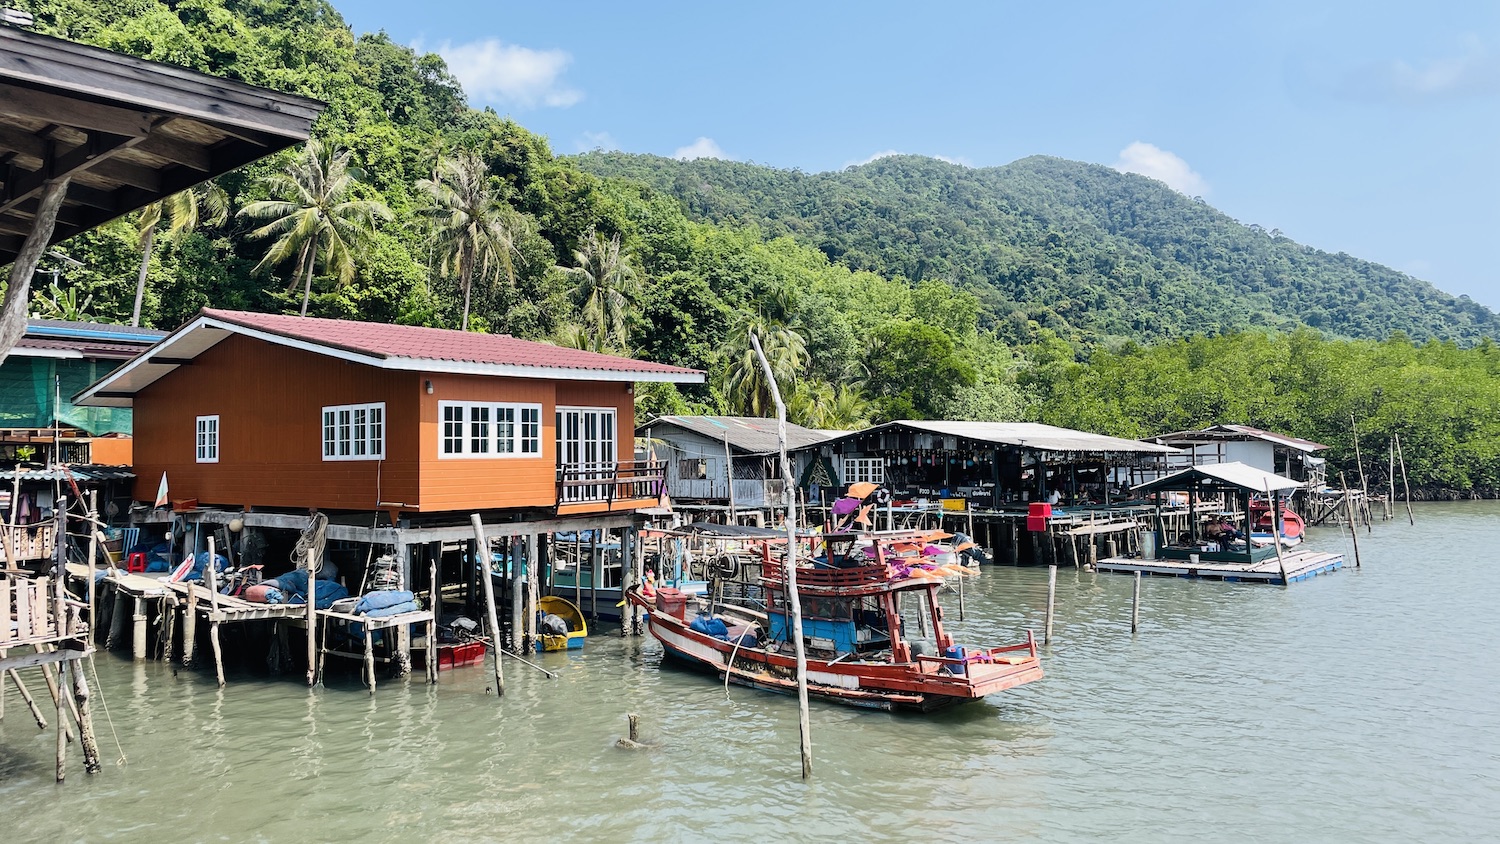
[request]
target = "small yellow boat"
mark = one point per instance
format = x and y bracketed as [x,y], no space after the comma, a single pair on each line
[561,608]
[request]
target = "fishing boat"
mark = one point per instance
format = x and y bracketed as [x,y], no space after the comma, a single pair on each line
[1263,523]
[871,625]
[567,615]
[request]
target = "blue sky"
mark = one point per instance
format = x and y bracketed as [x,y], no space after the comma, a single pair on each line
[1371,128]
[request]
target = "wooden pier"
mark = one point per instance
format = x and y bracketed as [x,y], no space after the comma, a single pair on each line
[1300,565]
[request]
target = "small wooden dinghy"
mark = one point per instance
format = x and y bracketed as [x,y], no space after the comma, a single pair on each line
[578,629]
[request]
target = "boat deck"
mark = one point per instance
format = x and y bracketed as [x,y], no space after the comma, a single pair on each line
[1300,565]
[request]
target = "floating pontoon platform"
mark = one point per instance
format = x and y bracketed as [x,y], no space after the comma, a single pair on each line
[1300,565]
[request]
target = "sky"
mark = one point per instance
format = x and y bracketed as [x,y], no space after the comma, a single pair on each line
[1371,128]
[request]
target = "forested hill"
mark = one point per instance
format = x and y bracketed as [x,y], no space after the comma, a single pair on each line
[1085,250]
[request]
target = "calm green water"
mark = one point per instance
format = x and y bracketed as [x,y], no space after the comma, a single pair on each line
[1360,706]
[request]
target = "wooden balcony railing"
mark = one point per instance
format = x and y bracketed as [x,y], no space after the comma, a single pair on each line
[607,483]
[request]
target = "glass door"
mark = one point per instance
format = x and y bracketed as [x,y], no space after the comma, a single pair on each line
[586,451]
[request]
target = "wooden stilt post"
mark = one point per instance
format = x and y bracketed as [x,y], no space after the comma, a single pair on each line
[1051,603]
[483,556]
[211,577]
[85,718]
[1135,605]
[434,603]
[1390,484]
[533,590]
[63,733]
[90,582]
[370,658]
[1353,528]
[1405,483]
[190,629]
[138,630]
[116,618]
[1364,484]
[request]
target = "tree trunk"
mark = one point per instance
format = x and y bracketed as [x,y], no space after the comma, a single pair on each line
[312,261]
[18,290]
[140,281]
[468,271]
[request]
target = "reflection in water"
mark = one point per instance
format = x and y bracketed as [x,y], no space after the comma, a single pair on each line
[1356,706]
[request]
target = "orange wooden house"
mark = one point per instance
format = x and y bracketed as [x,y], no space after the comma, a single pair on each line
[257,411]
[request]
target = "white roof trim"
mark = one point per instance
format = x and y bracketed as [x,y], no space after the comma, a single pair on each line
[405,364]
[24,352]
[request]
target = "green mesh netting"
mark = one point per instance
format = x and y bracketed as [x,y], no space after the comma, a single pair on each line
[28,386]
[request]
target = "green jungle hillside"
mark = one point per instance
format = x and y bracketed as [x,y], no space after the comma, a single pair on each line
[1088,252]
[907,288]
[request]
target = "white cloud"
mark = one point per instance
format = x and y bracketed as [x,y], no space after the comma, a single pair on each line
[589,141]
[701,148]
[1157,163]
[492,71]
[887,153]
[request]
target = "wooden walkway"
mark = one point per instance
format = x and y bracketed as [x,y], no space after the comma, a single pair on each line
[1300,565]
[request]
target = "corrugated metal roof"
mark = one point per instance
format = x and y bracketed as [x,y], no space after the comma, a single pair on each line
[1247,478]
[1240,432]
[81,473]
[1029,435]
[748,434]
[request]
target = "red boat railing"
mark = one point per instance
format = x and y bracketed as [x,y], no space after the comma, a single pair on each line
[984,655]
[774,571]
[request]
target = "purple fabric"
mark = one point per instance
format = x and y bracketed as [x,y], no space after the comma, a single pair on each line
[845,506]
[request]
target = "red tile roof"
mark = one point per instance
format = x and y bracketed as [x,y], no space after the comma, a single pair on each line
[437,344]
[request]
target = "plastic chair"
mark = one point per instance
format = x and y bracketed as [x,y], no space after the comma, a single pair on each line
[135,563]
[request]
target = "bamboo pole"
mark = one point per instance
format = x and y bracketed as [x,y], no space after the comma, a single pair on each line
[1353,528]
[489,599]
[1405,483]
[1359,463]
[729,475]
[793,600]
[36,711]
[1390,485]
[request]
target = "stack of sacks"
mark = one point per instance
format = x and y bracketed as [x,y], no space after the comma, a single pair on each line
[381,604]
[291,588]
[389,602]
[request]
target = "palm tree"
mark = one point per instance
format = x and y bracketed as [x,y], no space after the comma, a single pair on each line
[475,229]
[313,216]
[605,281]
[745,383]
[818,404]
[183,212]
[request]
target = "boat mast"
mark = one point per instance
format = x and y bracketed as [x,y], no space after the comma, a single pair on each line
[789,495]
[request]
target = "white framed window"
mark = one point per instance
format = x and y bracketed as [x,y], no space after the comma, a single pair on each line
[208,439]
[531,429]
[489,429]
[857,469]
[354,431]
[586,449]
